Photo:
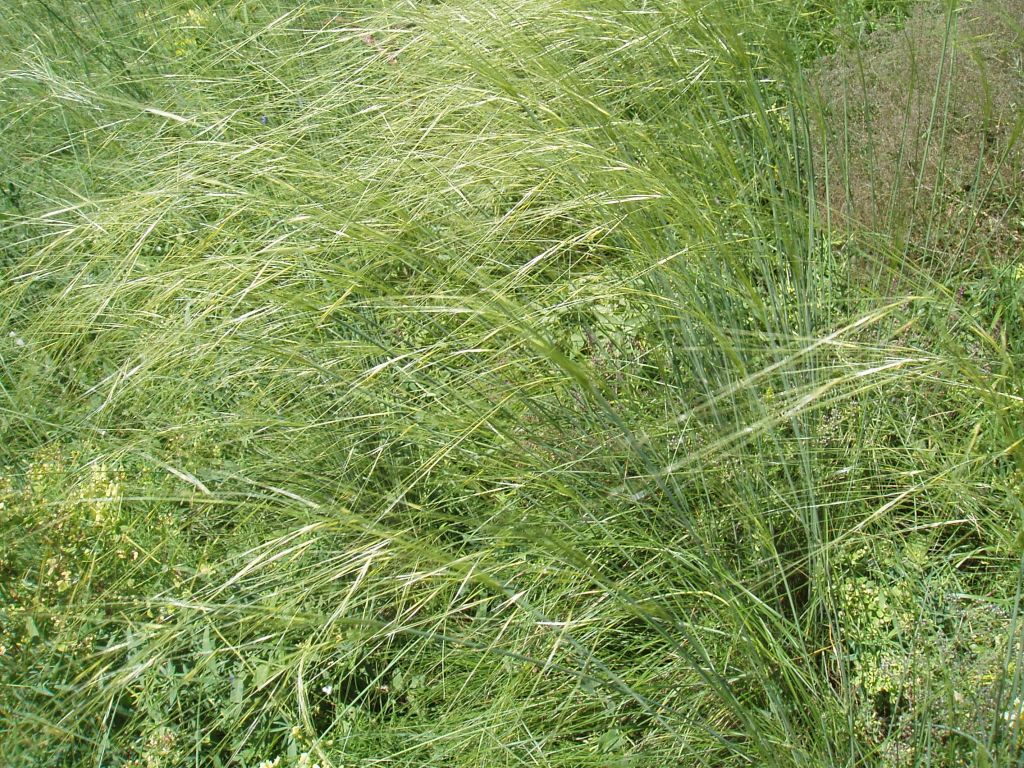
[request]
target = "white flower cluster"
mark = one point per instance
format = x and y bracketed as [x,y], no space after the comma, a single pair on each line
[304,761]
[1014,716]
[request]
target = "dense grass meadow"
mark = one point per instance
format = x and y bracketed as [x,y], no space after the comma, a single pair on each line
[533,383]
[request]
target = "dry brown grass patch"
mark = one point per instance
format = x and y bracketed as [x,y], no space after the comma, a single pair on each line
[919,134]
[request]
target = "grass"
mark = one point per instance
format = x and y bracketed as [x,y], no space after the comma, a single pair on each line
[458,384]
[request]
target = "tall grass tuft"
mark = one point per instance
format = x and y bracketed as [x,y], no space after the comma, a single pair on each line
[451,384]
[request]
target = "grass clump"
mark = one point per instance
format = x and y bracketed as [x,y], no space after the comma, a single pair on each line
[444,384]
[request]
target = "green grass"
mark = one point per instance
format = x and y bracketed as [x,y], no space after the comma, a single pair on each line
[473,384]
